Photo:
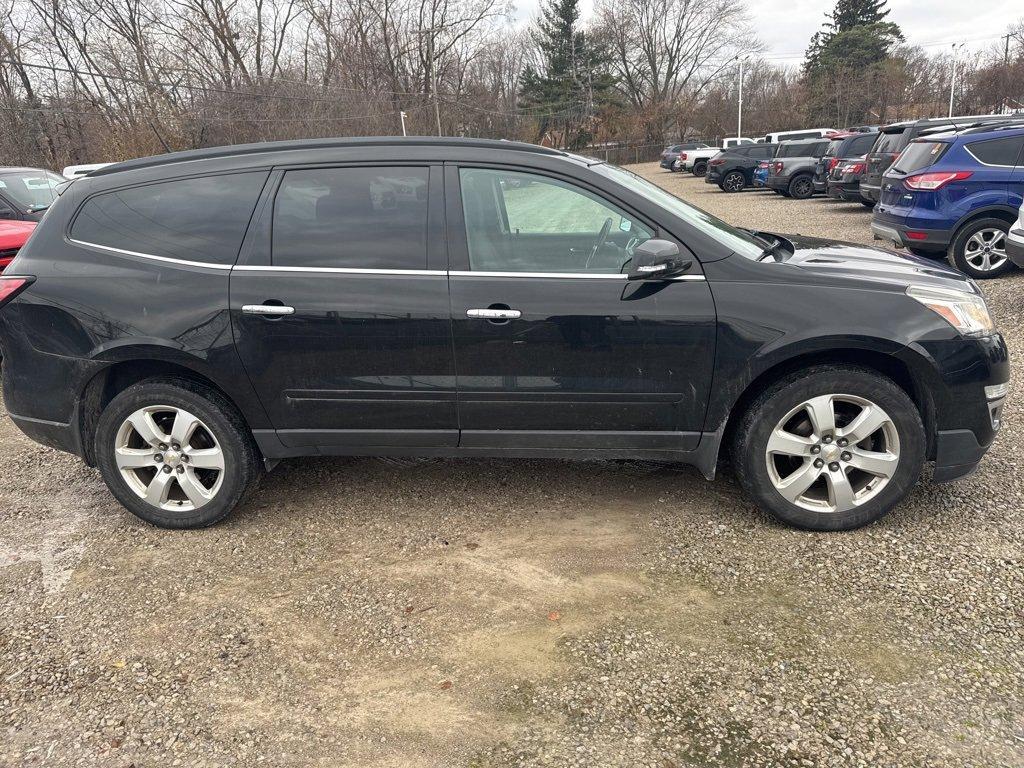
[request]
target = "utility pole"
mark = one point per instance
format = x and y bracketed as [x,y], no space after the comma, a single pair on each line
[739,116]
[952,79]
[401,116]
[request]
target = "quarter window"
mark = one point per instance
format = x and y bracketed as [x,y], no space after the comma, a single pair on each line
[521,222]
[199,219]
[1004,151]
[362,218]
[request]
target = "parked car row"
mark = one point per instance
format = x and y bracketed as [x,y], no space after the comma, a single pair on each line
[942,187]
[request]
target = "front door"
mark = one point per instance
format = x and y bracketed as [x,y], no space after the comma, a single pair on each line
[341,312]
[554,347]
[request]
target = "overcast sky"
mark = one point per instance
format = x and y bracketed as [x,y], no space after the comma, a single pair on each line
[785,26]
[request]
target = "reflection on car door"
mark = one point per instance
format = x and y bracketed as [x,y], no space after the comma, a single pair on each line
[554,348]
[340,309]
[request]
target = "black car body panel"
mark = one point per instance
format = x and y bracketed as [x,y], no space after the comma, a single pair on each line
[387,361]
[840,151]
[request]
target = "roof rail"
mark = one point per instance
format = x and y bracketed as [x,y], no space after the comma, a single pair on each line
[306,144]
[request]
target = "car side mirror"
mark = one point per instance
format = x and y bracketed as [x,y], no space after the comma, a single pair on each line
[657,260]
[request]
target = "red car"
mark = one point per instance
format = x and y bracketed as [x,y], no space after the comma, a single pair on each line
[13,235]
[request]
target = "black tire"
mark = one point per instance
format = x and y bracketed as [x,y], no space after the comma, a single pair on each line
[672,168]
[700,169]
[242,464]
[750,441]
[867,204]
[957,248]
[801,187]
[733,181]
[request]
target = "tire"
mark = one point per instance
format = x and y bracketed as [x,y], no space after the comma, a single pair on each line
[672,168]
[700,169]
[733,181]
[966,251]
[801,187]
[780,409]
[867,204]
[220,428]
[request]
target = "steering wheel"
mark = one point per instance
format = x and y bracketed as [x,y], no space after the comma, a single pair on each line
[601,237]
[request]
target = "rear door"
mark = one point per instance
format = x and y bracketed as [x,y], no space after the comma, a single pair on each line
[554,348]
[340,308]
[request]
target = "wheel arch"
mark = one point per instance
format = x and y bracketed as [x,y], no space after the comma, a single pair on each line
[114,378]
[895,368]
[1004,212]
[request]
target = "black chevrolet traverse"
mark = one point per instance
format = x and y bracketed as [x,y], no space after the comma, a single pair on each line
[184,322]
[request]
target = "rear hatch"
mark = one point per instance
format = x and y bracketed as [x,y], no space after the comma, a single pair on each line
[887,147]
[897,198]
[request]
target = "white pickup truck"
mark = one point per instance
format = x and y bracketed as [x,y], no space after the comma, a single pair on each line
[696,160]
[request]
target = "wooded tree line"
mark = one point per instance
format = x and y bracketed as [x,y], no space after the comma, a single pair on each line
[99,80]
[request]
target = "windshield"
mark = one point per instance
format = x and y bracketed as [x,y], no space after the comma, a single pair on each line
[889,142]
[31,190]
[918,155]
[738,240]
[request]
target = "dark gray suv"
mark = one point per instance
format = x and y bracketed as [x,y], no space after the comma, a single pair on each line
[792,172]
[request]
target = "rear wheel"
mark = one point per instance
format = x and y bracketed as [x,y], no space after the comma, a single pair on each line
[700,169]
[830,448]
[175,453]
[867,203]
[733,181]
[801,187]
[979,249]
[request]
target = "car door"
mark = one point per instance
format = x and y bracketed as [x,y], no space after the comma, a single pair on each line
[340,308]
[554,348]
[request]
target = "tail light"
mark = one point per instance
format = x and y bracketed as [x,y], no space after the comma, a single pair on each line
[777,167]
[833,162]
[935,180]
[854,168]
[717,161]
[12,286]
[763,164]
[682,155]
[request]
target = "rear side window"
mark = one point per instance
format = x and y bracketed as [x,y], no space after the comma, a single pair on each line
[833,147]
[797,150]
[199,219]
[1005,151]
[361,218]
[890,143]
[918,155]
[858,145]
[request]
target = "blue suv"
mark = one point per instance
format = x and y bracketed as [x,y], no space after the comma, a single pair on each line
[956,194]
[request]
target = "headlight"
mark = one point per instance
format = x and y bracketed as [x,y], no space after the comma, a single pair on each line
[964,311]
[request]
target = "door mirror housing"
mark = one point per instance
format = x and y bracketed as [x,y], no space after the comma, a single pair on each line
[658,260]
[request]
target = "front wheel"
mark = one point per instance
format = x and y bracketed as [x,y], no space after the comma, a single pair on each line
[830,448]
[175,453]
[979,249]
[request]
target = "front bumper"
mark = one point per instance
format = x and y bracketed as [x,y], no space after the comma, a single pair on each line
[1015,246]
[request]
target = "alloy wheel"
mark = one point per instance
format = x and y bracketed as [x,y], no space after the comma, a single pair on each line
[733,182]
[169,458]
[833,453]
[802,188]
[985,250]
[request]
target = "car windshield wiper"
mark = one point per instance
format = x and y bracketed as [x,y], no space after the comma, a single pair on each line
[774,245]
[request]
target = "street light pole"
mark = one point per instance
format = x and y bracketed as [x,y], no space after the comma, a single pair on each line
[952,79]
[739,115]
[401,116]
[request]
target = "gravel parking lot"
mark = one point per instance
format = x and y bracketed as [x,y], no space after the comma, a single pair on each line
[488,613]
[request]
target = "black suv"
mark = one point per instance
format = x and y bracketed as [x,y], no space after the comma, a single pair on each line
[839,151]
[184,322]
[892,139]
[733,169]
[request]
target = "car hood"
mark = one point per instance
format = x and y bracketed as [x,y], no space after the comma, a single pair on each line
[13,234]
[837,259]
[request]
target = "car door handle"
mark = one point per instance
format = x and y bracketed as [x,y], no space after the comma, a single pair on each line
[267,309]
[494,314]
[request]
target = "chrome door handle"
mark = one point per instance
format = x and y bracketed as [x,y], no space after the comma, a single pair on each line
[267,309]
[495,314]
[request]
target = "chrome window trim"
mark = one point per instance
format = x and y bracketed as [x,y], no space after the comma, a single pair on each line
[154,257]
[967,148]
[561,275]
[341,270]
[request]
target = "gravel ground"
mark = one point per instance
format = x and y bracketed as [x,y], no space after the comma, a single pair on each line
[516,613]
